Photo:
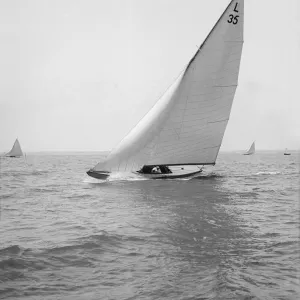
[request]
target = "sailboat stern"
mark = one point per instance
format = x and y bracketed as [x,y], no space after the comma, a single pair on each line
[98,174]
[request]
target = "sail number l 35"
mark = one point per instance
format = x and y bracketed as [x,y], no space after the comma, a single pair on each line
[234,18]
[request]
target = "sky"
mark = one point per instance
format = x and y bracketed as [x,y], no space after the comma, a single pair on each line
[78,75]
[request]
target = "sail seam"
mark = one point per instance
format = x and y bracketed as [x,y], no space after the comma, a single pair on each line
[225,85]
[168,149]
[219,121]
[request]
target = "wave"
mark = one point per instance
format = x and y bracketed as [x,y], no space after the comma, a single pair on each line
[208,176]
[128,176]
[77,196]
[14,249]
[6,196]
[14,257]
[99,241]
[26,173]
[268,173]
[115,176]
[93,180]
[13,263]
[39,172]
[284,243]
[103,241]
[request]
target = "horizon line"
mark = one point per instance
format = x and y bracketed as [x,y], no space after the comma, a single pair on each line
[72,151]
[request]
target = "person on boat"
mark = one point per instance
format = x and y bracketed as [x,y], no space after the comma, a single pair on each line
[165,170]
[155,169]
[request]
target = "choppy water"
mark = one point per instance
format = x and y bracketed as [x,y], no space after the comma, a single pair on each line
[232,233]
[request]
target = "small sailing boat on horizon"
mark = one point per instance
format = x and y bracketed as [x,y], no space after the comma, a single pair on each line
[185,128]
[286,152]
[15,151]
[251,150]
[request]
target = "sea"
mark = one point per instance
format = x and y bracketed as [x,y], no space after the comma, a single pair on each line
[230,233]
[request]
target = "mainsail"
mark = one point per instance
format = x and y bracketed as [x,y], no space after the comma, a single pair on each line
[15,150]
[251,149]
[186,126]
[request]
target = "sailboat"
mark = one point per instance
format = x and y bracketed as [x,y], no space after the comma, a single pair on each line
[16,150]
[185,128]
[286,152]
[251,149]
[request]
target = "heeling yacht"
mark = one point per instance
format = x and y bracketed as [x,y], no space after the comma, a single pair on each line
[251,149]
[185,128]
[16,150]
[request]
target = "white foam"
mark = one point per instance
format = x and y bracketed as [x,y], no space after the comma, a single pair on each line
[128,176]
[92,180]
[267,173]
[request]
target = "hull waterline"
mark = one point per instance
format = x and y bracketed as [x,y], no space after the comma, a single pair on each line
[102,175]
[169,176]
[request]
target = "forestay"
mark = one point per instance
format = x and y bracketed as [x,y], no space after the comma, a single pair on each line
[186,126]
[15,150]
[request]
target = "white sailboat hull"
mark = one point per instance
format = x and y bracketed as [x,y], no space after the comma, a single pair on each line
[176,173]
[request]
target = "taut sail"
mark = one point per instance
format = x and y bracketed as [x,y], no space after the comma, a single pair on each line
[16,150]
[186,126]
[251,149]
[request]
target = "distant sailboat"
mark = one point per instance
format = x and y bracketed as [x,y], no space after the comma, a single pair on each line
[186,126]
[286,152]
[15,151]
[251,150]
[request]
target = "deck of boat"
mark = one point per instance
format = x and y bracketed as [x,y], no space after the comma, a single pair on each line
[177,172]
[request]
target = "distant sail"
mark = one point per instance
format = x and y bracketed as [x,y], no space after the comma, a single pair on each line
[286,152]
[16,150]
[186,126]
[251,150]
